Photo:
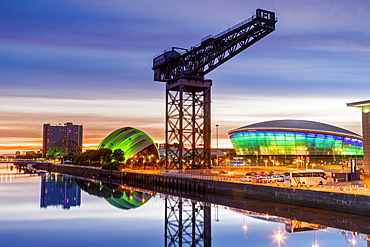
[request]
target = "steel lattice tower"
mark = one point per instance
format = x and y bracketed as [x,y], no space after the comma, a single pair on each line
[188,121]
[187,223]
[188,93]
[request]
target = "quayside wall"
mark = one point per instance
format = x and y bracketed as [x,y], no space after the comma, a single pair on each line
[326,218]
[335,201]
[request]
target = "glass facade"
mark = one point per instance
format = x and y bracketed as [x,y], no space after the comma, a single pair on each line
[262,142]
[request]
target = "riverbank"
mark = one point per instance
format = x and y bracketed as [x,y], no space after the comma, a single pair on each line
[328,198]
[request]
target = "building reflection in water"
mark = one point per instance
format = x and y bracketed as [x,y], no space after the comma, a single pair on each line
[122,197]
[293,226]
[7,172]
[58,190]
[187,222]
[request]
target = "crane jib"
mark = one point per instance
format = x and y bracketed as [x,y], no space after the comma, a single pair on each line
[213,51]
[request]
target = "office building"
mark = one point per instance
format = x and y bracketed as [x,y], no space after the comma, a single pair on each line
[60,140]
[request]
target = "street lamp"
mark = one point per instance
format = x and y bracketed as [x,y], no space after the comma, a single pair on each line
[245,226]
[216,211]
[279,236]
[314,239]
[256,153]
[217,144]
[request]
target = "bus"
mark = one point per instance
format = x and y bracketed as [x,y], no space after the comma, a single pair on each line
[307,177]
[293,226]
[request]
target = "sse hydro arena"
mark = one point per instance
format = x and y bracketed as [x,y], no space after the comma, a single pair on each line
[291,141]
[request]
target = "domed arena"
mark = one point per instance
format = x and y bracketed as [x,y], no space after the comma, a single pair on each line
[131,141]
[130,199]
[288,138]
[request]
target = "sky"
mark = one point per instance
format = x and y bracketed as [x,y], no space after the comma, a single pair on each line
[89,62]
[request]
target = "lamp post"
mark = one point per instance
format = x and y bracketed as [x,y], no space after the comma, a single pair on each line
[333,155]
[279,238]
[216,211]
[217,144]
[314,239]
[256,153]
[245,227]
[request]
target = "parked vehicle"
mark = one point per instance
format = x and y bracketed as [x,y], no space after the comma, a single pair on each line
[279,178]
[224,172]
[266,180]
[264,174]
[247,179]
[257,179]
[307,177]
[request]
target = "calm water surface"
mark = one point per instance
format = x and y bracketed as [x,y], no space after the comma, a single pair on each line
[53,210]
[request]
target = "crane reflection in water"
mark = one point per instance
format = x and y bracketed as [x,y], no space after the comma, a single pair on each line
[187,221]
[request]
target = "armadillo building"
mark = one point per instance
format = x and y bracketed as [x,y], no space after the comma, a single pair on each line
[296,138]
[131,141]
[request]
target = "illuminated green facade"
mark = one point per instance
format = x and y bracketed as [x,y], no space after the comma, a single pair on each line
[295,137]
[119,196]
[129,200]
[59,148]
[131,141]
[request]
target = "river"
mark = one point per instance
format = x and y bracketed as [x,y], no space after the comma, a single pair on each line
[57,210]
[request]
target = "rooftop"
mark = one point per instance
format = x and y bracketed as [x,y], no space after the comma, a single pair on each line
[298,125]
[359,103]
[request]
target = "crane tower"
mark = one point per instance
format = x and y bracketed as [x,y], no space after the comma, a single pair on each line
[188,93]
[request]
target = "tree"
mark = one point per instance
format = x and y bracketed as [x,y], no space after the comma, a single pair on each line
[94,156]
[105,155]
[112,166]
[118,155]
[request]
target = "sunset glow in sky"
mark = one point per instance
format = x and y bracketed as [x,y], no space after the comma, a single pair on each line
[89,62]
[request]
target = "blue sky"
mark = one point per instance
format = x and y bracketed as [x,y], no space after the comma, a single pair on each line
[89,62]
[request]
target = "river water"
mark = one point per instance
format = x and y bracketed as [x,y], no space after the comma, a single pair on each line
[56,210]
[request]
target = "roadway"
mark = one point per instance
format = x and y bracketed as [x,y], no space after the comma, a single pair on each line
[234,175]
[356,187]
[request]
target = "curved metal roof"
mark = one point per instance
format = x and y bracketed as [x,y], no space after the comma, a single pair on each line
[135,200]
[129,140]
[296,125]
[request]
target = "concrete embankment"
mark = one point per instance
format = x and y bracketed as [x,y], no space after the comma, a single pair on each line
[341,202]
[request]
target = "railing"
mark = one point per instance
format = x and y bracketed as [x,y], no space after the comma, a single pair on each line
[235,26]
[25,161]
[225,31]
[335,187]
[178,49]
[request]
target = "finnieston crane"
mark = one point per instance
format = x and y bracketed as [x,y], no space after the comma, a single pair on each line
[188,93]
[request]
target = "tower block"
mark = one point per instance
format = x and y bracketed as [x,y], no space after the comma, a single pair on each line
[365,108]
